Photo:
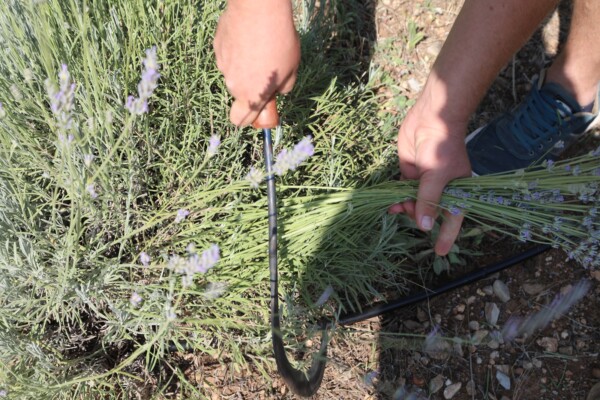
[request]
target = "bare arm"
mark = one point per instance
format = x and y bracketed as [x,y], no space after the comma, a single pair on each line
[431,139]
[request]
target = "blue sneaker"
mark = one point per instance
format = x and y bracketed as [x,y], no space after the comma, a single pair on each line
[540,128]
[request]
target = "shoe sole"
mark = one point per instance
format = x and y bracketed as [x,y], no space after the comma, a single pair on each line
[595,124]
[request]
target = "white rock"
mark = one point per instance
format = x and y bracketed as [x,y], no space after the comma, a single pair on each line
[451,390]
[473,325]
[479,336]
[501,290]
[503,379]
[533,288]
[492,312]
[470,388]
[436,384]
[549,344]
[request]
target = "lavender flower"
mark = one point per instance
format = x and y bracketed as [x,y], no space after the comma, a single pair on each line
[62,99]
[3,393]
[213,145]
[170,312]
[149,82]
[255,177]
[91,190]
[289,160]
[135,299]
[215,290]
[181,215]
[144,258]
[324,296]
[88,159]
[194,264]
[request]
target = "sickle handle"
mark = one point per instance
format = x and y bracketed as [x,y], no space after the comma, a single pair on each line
[268,117]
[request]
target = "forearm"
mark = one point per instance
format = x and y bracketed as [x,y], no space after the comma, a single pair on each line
[258,10]
[484,37]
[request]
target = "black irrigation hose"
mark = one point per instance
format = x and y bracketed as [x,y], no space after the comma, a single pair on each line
[382,308]
[307,385]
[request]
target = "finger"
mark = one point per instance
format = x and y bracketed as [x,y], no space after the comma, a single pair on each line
[408,170]
[428,196]
[448,233]
[289,83]
[407,207]
[243,113]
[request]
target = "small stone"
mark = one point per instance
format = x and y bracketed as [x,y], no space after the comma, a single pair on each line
[596,275]
[501,290]
[470,388]
[537,363]
[437,318]
[458,350]
[504,368]
[549,344]
[412,325]
[533,288]
[471,300]
[528,365]
[566,350]
[451,390]
[494,354]
[418,381]
[478,336]
[504,398]
[492,312]
[459,309]
[436,384]
[596,373]
[493,344]
[422,315]
[478,360]
[473,325]
[565,289]
[564,335]
[503,379]
[434,48]
[414,85]
[459,317]
[488,290]
[519,371]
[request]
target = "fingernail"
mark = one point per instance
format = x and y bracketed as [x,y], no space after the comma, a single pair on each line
[426,223]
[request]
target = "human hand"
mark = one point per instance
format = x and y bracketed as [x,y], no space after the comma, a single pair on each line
[258,51]
[432,150]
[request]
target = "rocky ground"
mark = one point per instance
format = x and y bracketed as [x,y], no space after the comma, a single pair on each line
[388,358]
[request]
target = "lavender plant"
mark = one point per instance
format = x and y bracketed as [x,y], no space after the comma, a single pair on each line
[97,202]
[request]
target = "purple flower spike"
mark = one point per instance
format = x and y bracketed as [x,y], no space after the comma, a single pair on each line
[144,258]
[290,160]
[149,82]
[213,145]
[181,215]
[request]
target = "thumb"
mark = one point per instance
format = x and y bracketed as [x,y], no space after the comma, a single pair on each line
[244,112]
[430,191]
